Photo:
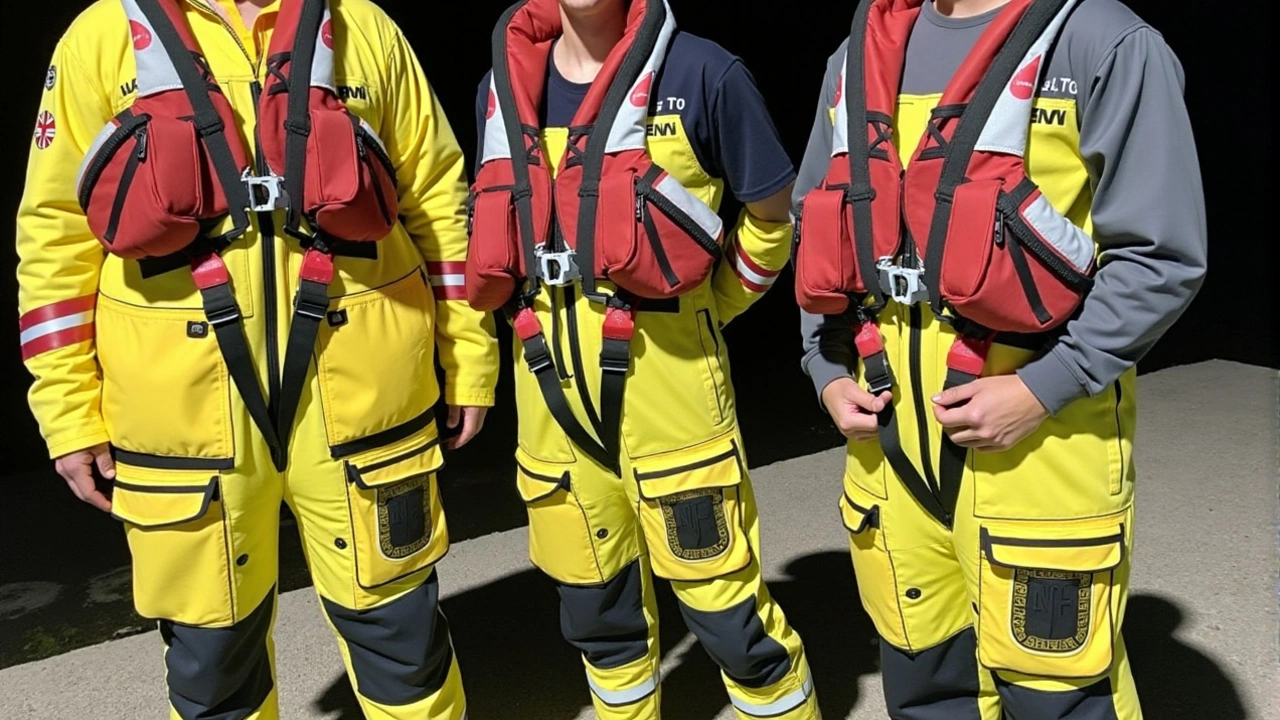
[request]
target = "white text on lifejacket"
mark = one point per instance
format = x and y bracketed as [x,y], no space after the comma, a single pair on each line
[671,104]
[1060,85]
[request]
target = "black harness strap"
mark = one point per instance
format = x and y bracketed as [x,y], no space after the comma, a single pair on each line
[860,193]
[297,124]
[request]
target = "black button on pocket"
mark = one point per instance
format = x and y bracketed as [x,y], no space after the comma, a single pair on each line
[340,544]
[197,329]
[242,560]
[337,318]
[602,533]
[913,593]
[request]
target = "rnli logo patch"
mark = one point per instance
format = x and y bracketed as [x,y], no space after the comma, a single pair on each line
[697,528]
[326,33]
[51,77]
[404,517]
[493,105]
[1051,610]
[141,35]
[1023,84]
[640,95]
[46,129]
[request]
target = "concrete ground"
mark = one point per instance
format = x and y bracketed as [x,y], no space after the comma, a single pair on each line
[1202,624]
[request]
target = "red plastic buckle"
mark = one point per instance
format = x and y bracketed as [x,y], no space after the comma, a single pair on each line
[317,267]
[527,324]
[209,271]
[866,335]
[968,354]
[619,324]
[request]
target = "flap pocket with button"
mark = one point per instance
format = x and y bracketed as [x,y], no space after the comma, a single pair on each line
[397,521]
[1048,594]
[178,535]
[691,511]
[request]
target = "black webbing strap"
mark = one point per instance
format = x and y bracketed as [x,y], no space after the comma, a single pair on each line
[222,312]
[310,307]
[965,361]
[297,122]
[206,118]
[860,192]
[615,362]
[655,15]
[538,358]
[959,151]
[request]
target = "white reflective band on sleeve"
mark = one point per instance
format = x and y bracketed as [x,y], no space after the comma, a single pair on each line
[156,73]
[322,63]
[93,152]
[448,280]
[1006,130]
[840,133]
[624,697]
[708,220]
[496,146]
[1065,236]
[791,701]
[748,273]
[628,131]
[49,327]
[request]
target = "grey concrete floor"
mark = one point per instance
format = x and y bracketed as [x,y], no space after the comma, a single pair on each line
[1202,624]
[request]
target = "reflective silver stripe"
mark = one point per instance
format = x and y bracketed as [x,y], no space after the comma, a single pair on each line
[1010,122]
[49,327]
[624,697]
[628,131]
[789,702]
[156,72]
[1065,236]
[103,134]
[496,146]
[709,221]
[322,64]
[840,133]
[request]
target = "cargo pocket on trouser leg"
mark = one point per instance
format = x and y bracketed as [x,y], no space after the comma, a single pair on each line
[573,538]
[178,535]
[397,521]
[1046,592]
[691,512]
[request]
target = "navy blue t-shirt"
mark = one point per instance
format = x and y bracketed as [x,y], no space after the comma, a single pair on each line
[722,111]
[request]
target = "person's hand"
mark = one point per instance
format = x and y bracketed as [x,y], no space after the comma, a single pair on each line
[472,419]
[990,414]
[853,408]
[77,469]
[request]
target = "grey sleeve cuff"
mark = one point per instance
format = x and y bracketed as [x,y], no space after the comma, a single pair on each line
[824,371]
[1053,381]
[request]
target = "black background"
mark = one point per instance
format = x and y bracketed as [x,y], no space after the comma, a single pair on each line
[1224,50]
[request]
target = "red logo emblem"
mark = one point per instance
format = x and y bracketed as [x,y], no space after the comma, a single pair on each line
[326,33]
[640,96]
[839,90]
[141,35]
[46,128]
[1023,85]
[493,105]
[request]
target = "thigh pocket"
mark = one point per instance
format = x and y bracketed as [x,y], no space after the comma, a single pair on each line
[1046,596]
[877,586]
[165,389]
[397,522]
[377,339]
[691,511]
[178,536]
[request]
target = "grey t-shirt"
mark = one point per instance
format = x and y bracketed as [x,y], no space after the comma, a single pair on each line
[1148,200]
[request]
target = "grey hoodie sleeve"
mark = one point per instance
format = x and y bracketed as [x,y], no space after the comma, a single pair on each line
[1148,220]
[828,343]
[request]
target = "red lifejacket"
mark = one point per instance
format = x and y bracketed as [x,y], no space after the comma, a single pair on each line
[323,165]
[611,213]
[997,257]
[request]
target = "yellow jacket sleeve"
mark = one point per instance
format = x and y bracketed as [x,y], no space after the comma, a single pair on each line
[59,260]
[753,259]
[433,194]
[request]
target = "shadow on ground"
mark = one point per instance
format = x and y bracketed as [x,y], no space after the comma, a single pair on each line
[524,669]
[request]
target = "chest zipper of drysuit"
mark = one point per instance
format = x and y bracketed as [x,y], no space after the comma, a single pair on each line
[366,146]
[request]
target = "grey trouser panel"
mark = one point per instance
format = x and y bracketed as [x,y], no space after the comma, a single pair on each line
[736,640]
[1094,702]
[219,673]
[400,651]
[606,622]
[940,683]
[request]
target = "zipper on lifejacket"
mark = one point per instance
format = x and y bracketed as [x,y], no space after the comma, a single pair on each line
[126,180]
[680,218]
[651,232]
[118,137]
[363,151]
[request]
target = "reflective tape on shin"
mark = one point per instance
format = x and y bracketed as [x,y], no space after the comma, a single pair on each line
[220,672]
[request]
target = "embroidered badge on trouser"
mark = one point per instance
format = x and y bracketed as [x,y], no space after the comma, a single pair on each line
[404,517]
[1051,609]
[696,524]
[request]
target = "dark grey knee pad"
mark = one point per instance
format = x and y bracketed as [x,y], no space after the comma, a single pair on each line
[736,640]
[606,622]
[940,683]
[219,673]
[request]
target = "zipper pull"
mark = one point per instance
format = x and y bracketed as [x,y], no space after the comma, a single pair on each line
[639,207]
[360,148]
[999,232]
[142,142]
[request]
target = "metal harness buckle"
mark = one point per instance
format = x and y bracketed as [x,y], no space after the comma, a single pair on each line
[266,193]
[905,285]
[558,268]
